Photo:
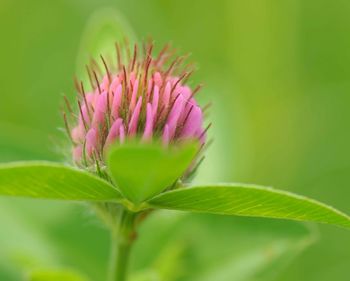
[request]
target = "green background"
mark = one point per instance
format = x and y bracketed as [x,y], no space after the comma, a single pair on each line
[278,74]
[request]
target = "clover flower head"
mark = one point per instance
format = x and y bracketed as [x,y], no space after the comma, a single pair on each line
[142,97]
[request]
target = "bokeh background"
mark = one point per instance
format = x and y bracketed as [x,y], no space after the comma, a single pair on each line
[278,74]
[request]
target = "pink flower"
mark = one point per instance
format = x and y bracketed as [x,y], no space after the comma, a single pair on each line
[144,97]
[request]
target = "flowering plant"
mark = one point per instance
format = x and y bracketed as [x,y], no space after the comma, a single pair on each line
[138,137]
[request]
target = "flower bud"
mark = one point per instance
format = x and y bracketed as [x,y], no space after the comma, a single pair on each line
[144,97]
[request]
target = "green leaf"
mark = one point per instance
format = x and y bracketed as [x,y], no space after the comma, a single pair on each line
[249,200]
[55,275]
[53,181]
[142,171]
[104,28]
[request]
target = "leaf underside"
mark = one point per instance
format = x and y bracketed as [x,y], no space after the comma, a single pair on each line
[53,181]
[249,200]
[142,171]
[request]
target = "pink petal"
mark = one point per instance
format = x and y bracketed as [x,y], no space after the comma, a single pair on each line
[155,101]
[166,137]
[101,103]
[116,101]
[193,123]
[84,115]
[91,141]
[78,133]
[188,105]
[185,91]
[166,95]
[90,98]
[100,109]
[175,114]
[149,87]
[149,123]
[113,132]
[97,119]
[192,101]
[157,77]
[115,84]
[121,133]
[135,118]
[77,153]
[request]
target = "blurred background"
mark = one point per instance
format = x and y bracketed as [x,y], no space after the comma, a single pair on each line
[278,74]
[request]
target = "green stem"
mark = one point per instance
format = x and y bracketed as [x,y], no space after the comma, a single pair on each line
[122,239]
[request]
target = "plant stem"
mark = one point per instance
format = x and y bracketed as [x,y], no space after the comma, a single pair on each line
[122,239]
